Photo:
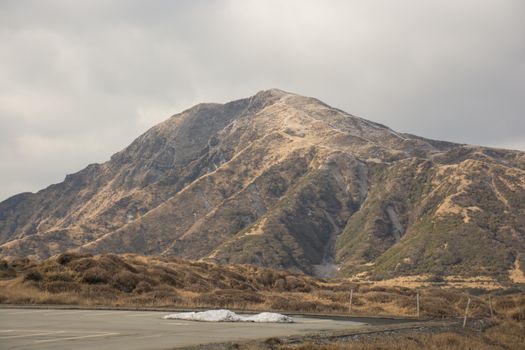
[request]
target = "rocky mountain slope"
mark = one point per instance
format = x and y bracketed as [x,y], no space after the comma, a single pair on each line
[286,181]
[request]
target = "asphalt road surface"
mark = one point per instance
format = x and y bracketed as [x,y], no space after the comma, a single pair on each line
[115,330]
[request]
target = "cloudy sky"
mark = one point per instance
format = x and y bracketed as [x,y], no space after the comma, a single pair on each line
[79,80]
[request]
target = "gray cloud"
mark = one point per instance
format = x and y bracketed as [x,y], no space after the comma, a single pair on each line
[79,80]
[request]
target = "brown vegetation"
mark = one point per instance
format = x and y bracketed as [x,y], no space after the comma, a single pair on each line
[137,281]
[131,280]
[503,335]
[505,331]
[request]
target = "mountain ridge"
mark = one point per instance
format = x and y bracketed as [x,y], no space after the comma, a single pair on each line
[282,180]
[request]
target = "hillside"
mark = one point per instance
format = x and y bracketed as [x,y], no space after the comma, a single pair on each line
[286,181]
[137,281]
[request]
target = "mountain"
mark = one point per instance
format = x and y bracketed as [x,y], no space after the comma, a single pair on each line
[286,181]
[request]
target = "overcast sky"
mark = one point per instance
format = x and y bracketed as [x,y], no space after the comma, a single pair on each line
[79,80]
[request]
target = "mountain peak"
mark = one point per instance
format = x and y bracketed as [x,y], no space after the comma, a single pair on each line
[273,92]
[283,180]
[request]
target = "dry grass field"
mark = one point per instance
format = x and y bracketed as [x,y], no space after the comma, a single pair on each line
[137,281]
[503,335]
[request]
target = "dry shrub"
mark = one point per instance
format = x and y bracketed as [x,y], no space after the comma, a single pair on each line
[61,287]
[357,300]
[166,294]
[518,315]
[112,262]
[82,264]
[200,265]
[510,306]
[217,276]
[193,278]
[294,284]
[137,261]
[95,275]
[232,275]
[250,297]
[125,281]
[345,287]
[508,302]
[404,291]
[170,279]
[265,278]
[451,295]
[507,334]
[66,258]
[6,270]
[240,285]
[380,297]
[199,288]
[60,276]
[338,297]
[436,278]
[4,265]
[434,307]
[164,291]
[49,266]
[375,310]
[166,275]
[143,287]
[366,289]
[228,297]
[278,303]
[101,292]
[280,285]
[19,263]
[292,304]
[32,276]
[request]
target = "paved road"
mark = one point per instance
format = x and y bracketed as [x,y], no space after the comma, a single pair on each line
[115,330]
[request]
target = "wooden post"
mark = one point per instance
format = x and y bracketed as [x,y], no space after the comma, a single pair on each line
[417,305]
[490,307]
[351,297]
[466,313]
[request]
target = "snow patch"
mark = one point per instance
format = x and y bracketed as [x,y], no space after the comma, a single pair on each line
[269,317]
[229,316]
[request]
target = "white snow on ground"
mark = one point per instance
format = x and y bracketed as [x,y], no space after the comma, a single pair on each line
[269,317]
[229,316]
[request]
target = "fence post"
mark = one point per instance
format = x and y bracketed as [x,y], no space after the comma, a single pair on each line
[417,305]
[351,297]
[466,313]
